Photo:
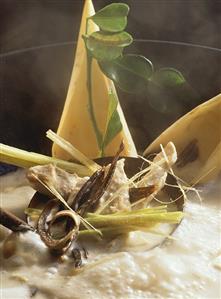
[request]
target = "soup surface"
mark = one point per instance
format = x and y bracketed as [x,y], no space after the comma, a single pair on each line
[188,265]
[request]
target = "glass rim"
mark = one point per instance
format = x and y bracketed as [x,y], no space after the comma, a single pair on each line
[68,43]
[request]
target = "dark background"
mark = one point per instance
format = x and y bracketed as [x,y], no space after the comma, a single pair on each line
[34,76]
[27,23]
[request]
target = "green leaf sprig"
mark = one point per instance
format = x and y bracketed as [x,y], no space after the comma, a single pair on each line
[112,18]
[131,73]
[106,47]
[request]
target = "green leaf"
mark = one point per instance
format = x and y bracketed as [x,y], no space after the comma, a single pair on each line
[130,72]
[120,39]
[114,125]
[103,46]
[112,18]
[101,52]
[167,77]
[112,105]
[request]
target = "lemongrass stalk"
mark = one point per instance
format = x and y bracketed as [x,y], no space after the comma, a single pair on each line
[135,219]
[25,159]
[158,209]
[110,231]
[161,209]
[74,152]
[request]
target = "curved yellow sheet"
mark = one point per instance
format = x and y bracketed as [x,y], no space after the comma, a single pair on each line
[75,124]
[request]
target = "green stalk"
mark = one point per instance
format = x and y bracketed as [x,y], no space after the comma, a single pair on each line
[91,111]
[112,224]
[135,219]
[102,150]
[87,26]
[25,159]
[98,134]
[159,209]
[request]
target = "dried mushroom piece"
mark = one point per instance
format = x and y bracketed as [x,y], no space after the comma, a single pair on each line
[49,216]
[86,192]
[91,192]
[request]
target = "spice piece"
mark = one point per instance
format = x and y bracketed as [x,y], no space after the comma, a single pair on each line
[44,228]
[12,222]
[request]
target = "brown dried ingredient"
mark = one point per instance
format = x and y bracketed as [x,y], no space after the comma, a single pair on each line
[90,193]
[84,193]
[77,257]
[44,228]
[189,154]
[12,222]
[140,192]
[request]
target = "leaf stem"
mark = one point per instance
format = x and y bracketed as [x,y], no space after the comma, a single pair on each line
[87,26]
[90,102]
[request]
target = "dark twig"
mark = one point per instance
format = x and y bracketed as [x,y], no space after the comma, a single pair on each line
[12,222]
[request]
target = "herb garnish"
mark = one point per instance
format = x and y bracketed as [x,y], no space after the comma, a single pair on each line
[132,73]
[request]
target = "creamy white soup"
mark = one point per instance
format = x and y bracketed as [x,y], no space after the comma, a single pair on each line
[187,265]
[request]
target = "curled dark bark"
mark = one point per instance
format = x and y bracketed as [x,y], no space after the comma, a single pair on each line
[44,227]
[12,222]
[85,191]
[89,195]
